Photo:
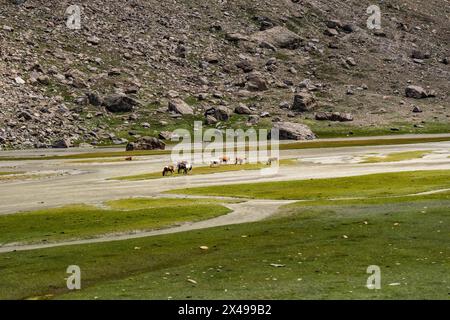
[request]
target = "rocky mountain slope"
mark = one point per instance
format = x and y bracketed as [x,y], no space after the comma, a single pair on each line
[142,67]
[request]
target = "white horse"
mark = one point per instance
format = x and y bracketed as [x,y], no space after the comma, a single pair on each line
[240,161]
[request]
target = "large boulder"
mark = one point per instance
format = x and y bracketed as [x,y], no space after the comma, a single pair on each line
[304,102]
[279,37]
[417,54]
[61,144]
[221,113]
[119,103]
[146,143]
[294,131]
[180,107]
[417,92]
[242,109]
[256,82]
[210,120]
[334,116]
[94,98]
[166,135]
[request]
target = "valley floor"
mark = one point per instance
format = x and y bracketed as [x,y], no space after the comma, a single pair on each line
[309,231]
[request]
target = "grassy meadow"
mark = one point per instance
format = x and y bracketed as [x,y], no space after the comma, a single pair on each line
[317,249]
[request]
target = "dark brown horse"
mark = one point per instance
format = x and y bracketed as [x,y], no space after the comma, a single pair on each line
[184,167]
[168,169]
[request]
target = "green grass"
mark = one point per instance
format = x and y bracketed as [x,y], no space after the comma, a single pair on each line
[325,250]
[205,170]
[398,156]
[323,129]
[145,203]
[11,173]
[375,185]
[192,101]
[83,221]
[106,160]
[360,143]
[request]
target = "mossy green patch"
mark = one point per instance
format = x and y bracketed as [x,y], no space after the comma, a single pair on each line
[8,173]
[397,156]
[83,221]
[360,143]
[319,252]
[375,185]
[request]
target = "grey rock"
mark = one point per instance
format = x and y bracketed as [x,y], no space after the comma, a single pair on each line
[253,119]
[280,37]
[245,66]
[294,131]
[417,54]
[256,82]
[61,144]
[94,98]
[165,135]
[93,40]
[304,102]
[146,143]
[417,109]
[119,103]
[334,116]
[242,109]
[180,107]
[210,120]
[416,92]
[221,113]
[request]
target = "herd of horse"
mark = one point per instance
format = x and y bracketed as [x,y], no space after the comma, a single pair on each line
[184,167]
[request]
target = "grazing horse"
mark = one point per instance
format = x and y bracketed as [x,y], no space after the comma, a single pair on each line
[214,164]
[184,167]
[270,160]
[224,159]
[168,169]
[240,161]
[129,159]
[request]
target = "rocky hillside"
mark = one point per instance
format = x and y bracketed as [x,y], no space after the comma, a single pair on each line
[142,67]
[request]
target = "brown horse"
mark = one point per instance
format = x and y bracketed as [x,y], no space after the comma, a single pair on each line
[224,159]
[168,169]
